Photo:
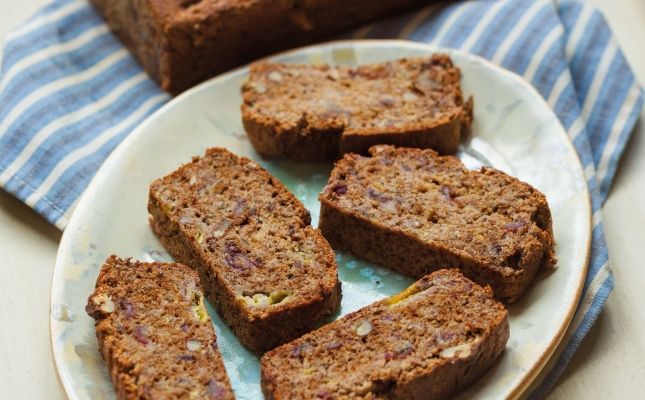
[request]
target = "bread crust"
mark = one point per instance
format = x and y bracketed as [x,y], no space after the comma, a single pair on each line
[181,43]
[318,113]
[314,294]
[410,346]
[525,238]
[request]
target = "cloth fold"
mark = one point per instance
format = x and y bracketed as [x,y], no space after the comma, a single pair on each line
[70,93]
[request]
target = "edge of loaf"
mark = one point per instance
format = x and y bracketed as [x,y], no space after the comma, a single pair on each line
[181,43]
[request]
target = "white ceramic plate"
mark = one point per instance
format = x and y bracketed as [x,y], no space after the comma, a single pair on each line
[514,131]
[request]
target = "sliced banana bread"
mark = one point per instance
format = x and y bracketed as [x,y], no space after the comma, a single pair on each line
[415,211]
[271,276]
[315,113]
[429,341]
[183,42]
[154,332]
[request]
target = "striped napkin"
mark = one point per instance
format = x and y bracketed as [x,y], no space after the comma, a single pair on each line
[69,93]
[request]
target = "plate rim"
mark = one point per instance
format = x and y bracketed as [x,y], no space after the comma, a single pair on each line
[529,376]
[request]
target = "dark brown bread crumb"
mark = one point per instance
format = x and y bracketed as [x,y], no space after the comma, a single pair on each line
[271,276]
[315,113]
[183,42]
[431,340]
[154,332]
[415,212]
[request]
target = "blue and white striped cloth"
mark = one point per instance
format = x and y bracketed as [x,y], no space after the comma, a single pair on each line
[69,93]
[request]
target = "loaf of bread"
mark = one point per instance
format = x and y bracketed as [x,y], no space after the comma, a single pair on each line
[426,343]
[415,211]
[315,113]
[268,272]
[155,334]
[183,42]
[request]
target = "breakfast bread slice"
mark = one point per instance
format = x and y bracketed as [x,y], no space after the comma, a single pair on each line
[319,112]
[426,343]
[415,211]
[154,332]
[268,272]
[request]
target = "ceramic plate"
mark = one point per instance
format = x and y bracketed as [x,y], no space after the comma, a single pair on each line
[514,130]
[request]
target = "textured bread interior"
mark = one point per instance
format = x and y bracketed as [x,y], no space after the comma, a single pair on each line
[155,333]
[250,239]
[422,211]
[437,336]
[414,102]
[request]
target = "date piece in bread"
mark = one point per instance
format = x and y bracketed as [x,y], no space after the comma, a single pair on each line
[154,332]
[268,272]
[315,113]
[415,211]
[183,42]
[426,343]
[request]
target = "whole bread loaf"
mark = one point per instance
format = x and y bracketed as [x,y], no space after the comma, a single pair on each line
[183,42]
[315,113]
[425,343]
[415,211]
[154,332]
[267,271]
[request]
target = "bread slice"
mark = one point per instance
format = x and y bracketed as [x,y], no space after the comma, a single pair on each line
[270,275]
[154,332]
[429,341]
[314,113]
[415,211]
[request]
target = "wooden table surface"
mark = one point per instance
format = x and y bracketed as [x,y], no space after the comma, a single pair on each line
[609,364]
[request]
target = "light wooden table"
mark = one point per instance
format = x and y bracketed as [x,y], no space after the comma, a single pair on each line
[610,363]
